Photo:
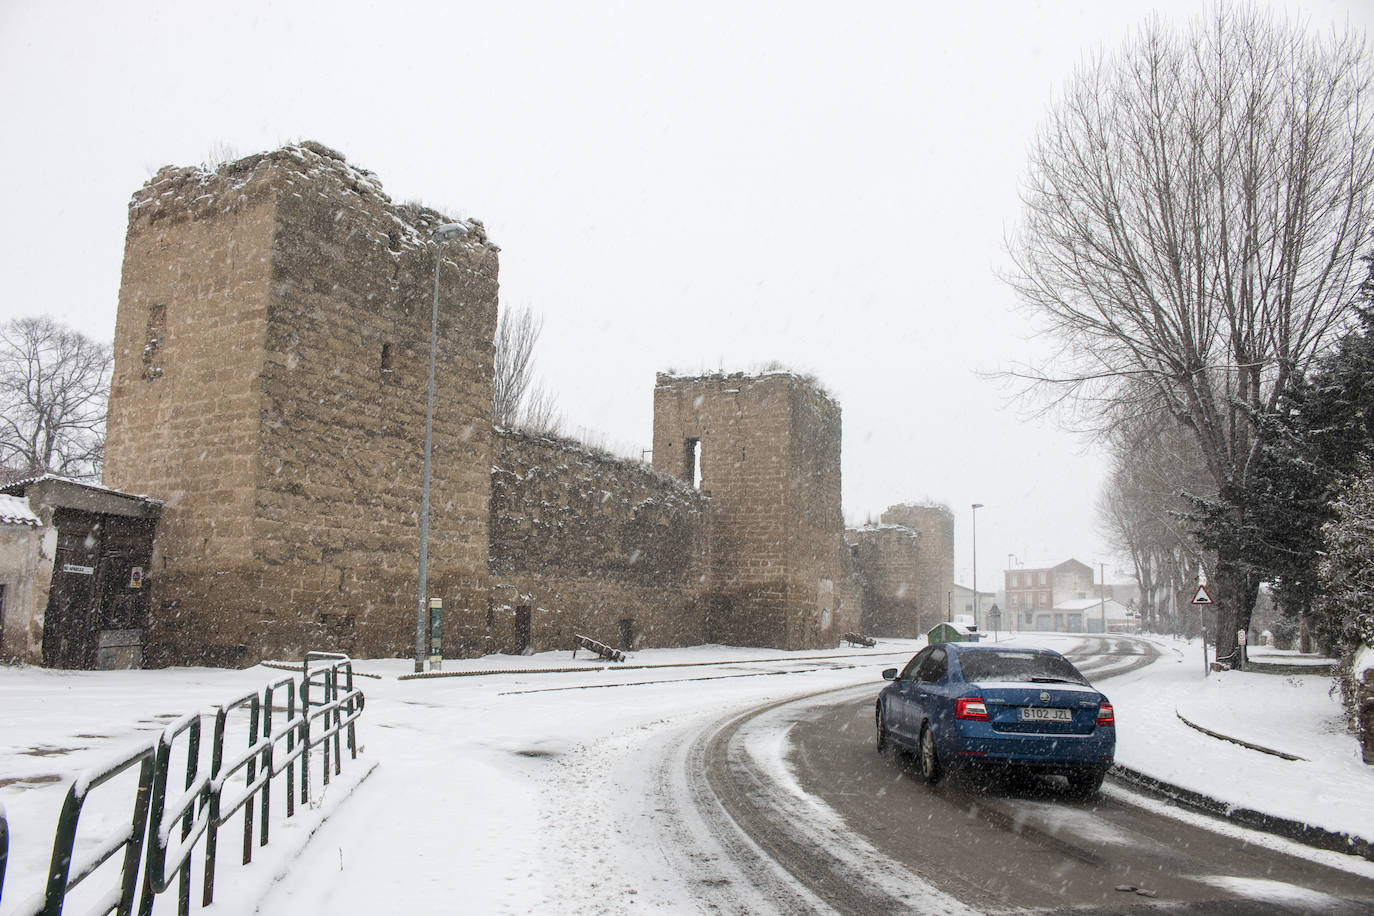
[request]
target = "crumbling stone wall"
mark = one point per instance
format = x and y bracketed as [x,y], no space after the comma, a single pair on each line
[26,553]
[935,558]
[768,452]
[591,544]
[889,558]
[271,353]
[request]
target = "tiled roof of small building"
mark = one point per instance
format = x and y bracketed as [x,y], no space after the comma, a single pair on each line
[14,510]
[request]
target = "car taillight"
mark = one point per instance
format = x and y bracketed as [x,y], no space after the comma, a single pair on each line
[1105,716]
[970,708]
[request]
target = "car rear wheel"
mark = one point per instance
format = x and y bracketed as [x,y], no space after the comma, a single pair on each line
[882,730]
[931,769]
[1086,783]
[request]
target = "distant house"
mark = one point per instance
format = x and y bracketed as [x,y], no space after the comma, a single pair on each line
[1087,615]
[961,602]
[1038,590]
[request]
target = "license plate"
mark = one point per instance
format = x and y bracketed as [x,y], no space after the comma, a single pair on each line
[1045,714]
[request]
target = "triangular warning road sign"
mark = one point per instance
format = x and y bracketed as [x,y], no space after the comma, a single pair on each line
[1202,597]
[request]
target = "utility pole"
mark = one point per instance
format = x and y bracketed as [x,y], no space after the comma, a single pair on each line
[976,507]
[1102,593]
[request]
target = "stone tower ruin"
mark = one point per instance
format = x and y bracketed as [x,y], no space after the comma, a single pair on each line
[766,451]
[271,357]
[889,558]
[934,573]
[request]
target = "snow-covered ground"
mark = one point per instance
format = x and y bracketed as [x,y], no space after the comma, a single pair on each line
[1329,787]
[530,791]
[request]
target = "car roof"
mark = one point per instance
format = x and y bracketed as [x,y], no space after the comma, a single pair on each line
[976,647]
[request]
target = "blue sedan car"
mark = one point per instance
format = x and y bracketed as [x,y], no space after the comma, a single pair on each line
[962,704]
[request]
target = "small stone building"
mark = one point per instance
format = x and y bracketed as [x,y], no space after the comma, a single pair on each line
[75,573]
[21,548]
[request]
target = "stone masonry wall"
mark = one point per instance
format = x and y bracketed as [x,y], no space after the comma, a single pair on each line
[23,551]
[890,559]
[768,450]
[271,352]
[585,541]
[815,523]
[935,563]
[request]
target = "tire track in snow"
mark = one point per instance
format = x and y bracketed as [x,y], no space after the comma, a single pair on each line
[740,781]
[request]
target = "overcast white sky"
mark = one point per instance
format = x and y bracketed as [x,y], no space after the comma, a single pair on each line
[695,186]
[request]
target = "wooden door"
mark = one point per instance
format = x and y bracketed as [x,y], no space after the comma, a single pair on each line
[71,625]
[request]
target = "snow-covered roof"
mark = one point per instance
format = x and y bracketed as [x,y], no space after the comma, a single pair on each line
[30,481]
[14,510]
[21,485]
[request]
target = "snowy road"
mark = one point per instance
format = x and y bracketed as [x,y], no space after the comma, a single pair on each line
[710,779]
[753,788]
[859,833]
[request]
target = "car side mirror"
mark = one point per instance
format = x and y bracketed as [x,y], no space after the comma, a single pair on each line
[890,674]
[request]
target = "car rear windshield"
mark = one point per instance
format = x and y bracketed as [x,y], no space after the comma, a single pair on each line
[1018,666]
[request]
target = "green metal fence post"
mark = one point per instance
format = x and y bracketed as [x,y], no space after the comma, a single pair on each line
[253,714]
[4,849]
[60,878]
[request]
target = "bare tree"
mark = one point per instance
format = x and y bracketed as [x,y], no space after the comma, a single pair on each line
[1191,223]
[54,384]
[1141,508]
[518,401]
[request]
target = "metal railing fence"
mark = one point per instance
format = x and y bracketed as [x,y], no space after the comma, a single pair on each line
[167,829]
[189,809]
[4,849]
[63,875]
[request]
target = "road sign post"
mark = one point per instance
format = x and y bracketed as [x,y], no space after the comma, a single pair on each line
[1203,597]
[436,634]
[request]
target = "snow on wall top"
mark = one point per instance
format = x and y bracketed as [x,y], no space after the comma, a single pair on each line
[671,378]
[597,457]
[884,526]
[197,191]
[14,510]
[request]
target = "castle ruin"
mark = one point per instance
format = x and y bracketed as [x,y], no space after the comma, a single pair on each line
[907,569]
[271,350]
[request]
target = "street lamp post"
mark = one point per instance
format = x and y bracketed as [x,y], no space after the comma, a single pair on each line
[976,507]
[441,235]
[1102,593]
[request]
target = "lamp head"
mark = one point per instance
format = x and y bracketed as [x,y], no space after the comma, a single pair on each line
[450,230]
[977,505]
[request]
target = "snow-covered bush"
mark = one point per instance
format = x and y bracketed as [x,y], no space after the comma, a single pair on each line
[1346,605]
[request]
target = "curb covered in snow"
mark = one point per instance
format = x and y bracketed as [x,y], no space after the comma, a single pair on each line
[614,666]
[1306,834]
[1245,744]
